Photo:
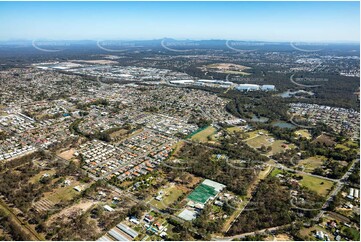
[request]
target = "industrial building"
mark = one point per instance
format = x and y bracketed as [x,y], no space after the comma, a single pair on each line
[248,87]
[255,87]
[181,82]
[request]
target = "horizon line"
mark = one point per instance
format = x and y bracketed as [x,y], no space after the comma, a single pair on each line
[186,39]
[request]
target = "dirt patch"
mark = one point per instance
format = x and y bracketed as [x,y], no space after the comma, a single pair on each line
[229,68]
[80,207]
[68,154]
[279,237]
[325,139]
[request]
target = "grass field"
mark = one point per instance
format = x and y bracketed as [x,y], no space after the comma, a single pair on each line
[319,185]
[275,172]
[303,133]
[234,129]
[277,146]
[170,195]
[311,163]
[65,193]
[203,135]
[351,232]
[258,141]
[306,233]
[255,133]
[177,147]
[37,177]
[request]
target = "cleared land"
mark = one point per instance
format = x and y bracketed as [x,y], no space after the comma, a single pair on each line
[68,154]
[307,233]
[311,163]
[234,129]
[303,133]
[227,68]
[280,145]
[60,194]
[170,195]
[82,206]
[38,176]
[204,135]
[259,141]
[319,185]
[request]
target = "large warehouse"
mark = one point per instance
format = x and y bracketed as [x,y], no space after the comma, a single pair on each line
[182,82]
[255,87]
[247,87]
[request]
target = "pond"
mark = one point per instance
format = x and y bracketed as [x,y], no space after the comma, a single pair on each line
[283,124]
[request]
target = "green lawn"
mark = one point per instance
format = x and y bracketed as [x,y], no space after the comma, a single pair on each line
[202,136]
[275,172]
[65,193]
[312,163]
[307,234]
[253,134]
[277,146]
[303,133]
[38,176]
[234,129]
[259,141]
[170,195]
[319,185]
[352,233]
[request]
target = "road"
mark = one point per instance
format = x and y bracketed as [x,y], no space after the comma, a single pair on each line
[338,188]
[241,236]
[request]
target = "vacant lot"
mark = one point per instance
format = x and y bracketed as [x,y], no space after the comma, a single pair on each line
[319,185]
[311,163]
[204,135]
[68,154]
[170,195]
[227,68]
[307,234]
[60,194]
[82,206]
[280,146]
[38,176]
[256,133]
[259,141]
[303,133]
[275,172]
[234,129]
[325,139]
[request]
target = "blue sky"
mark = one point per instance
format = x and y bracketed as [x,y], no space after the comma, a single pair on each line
[265,21]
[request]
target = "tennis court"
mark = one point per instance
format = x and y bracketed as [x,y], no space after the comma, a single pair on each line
[202,193]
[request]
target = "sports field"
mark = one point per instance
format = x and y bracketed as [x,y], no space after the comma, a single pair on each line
[202,193]
[203,135]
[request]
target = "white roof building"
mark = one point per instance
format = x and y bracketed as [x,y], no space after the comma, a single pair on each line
[247,87]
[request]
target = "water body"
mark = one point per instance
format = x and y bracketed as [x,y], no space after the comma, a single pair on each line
[289,93]
[283,124]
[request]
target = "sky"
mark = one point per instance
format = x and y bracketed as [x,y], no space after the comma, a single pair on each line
[263,21]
